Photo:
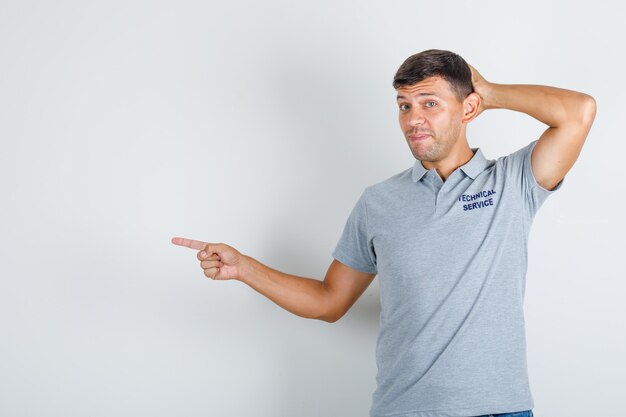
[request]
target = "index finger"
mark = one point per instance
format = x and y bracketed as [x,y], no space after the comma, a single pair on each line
[190,243]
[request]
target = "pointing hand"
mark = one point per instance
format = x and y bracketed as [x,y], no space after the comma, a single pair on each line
[218,260]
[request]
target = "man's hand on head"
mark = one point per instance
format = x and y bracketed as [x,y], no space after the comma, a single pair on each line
[482,88]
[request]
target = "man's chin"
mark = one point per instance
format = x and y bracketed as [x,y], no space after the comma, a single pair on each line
[421,154]
[425,156]
[422,157]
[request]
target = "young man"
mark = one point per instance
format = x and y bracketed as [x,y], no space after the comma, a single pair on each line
[447,239]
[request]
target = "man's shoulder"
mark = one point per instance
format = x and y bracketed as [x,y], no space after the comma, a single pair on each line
[517,154]
[391,184]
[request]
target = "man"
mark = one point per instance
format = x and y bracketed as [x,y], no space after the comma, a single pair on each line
[447,238]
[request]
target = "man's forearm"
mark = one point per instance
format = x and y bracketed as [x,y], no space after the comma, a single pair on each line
[305,297]
[550,105]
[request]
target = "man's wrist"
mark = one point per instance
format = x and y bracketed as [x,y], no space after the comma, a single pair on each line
[247,268]
[489,95]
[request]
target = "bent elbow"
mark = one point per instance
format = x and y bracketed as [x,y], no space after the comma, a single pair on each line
[330,318]
[588,110]
[332,315]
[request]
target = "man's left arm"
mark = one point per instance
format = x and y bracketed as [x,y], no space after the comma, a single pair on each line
[569,115]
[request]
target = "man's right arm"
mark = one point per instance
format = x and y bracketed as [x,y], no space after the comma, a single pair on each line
[326,300]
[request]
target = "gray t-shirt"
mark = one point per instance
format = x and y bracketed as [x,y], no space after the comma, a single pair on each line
[451,259]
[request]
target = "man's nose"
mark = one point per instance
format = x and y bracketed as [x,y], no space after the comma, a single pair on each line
[416,118]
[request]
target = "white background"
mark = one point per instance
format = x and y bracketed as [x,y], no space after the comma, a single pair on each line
[258,124]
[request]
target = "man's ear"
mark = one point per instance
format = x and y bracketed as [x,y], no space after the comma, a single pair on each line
[471,107]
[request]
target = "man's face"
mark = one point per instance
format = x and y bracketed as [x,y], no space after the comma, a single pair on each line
[430,116]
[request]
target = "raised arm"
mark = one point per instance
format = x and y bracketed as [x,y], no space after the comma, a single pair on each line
[569,115]
[326,300]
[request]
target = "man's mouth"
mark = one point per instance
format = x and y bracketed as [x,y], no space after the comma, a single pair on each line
[419,137]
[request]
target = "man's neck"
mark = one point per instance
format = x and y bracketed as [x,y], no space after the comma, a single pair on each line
[455,159]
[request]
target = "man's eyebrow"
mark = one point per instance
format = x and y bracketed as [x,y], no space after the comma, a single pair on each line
[419,94]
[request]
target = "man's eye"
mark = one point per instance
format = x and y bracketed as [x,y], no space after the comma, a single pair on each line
[404,106]
[431,104]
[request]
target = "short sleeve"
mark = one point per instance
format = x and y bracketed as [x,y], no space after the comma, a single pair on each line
[519,170]
[355,247]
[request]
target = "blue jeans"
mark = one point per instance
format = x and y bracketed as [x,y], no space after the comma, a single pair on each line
[527,413]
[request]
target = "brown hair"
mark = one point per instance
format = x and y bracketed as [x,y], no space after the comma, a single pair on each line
[436,62]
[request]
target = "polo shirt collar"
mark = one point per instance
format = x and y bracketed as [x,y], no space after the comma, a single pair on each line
[472,168]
